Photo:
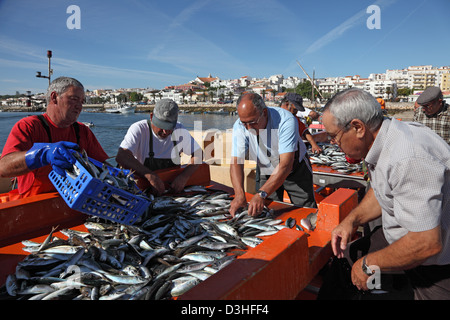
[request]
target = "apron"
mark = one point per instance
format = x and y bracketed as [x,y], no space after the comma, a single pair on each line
[157,163]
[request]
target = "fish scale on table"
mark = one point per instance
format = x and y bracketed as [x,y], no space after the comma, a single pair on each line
[173,249]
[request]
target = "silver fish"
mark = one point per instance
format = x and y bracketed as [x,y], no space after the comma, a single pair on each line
[184,287]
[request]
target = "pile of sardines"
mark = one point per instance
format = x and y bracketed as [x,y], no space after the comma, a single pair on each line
[182,241]
[333,157]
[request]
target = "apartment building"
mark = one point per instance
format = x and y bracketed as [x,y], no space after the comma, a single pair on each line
[385,89]
[420,77]
[445,81]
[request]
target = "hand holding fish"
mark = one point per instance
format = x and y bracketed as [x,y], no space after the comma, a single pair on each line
[255,206]
[237,203]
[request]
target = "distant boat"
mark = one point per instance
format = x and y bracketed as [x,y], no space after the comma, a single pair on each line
[88,124]
[123,108]
[220,111]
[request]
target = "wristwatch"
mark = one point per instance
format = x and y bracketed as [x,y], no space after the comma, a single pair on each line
[365,267]
[262,194]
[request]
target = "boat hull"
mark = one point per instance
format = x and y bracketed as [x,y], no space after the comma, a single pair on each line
[121,109]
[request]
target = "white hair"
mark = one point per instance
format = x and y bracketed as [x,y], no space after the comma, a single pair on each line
[355,103]
[61,84]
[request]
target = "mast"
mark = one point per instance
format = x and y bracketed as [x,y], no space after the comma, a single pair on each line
[312,89]
[309,78]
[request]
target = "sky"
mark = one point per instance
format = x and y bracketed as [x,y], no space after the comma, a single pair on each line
[112,44]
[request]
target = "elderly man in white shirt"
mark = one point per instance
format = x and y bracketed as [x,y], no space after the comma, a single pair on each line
[409,167]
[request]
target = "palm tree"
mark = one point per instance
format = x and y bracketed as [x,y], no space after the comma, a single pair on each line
[389,91]
[190,93]
[211,96]
[230,95]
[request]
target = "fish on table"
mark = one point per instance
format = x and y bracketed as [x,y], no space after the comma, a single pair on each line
[178,245]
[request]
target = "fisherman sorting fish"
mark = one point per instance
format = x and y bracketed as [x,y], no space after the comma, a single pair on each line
[155,144]
[38,144]
[270,136]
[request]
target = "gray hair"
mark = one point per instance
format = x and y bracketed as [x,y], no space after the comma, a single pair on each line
[352,104]
[256,99]
[61,84]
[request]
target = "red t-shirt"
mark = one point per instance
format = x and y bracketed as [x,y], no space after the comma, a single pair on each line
[301,127]
[29,130]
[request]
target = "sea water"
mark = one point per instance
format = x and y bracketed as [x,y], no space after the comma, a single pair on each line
[110,128]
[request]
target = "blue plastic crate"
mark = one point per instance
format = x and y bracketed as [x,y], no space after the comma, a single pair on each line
[95,197]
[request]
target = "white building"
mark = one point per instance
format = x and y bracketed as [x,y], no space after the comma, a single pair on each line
[419,77]
[385,89]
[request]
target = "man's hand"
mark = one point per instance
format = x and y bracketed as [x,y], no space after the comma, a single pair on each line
[237,203]
[340,236]
[255,206]
[178,183]
[57,154]
[359,278]
[156,184]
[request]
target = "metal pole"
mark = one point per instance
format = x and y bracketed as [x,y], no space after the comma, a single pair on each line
[49,55]
[312,82]
[312,89]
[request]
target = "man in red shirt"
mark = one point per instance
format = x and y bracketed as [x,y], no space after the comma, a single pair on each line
[36,144]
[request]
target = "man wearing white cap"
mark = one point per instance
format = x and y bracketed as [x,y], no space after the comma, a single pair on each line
[155,144]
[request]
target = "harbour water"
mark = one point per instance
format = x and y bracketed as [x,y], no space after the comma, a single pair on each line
[110,128]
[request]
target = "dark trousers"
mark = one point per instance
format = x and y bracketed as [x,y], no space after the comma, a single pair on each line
[430,282]
[420,283]
[298,185]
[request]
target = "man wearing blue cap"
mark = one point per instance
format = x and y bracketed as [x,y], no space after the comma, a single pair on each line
[155,144]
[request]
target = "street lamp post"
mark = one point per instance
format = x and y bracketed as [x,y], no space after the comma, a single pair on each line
[50,71]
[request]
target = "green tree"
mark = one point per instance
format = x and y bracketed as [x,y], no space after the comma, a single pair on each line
[122,98]
[304,89]
[404,92]
[134,96]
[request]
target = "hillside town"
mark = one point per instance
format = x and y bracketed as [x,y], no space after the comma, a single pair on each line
[393,85]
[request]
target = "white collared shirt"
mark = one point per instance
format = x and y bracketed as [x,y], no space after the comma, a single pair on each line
[409,167]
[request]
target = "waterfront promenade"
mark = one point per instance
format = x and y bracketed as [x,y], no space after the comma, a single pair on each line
[393,107]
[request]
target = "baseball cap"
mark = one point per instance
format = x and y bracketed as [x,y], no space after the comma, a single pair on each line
[429,94]
[165,114]
[296,99]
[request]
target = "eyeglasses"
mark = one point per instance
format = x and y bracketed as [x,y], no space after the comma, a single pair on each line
[252,123]
[332,137]
[427,105]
